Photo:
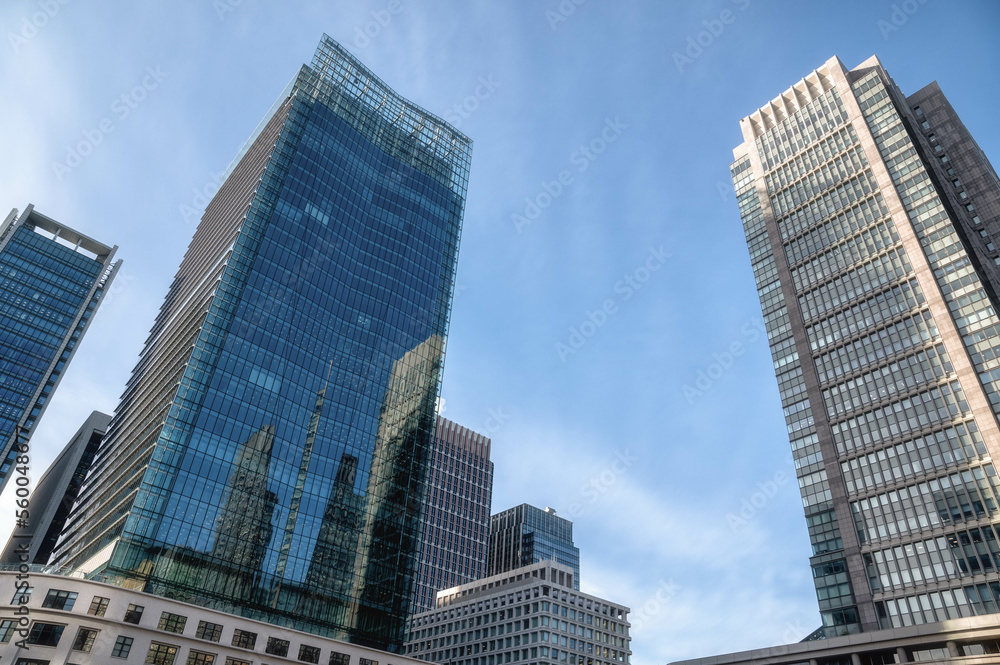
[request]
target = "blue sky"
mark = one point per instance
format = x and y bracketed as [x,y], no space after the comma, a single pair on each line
[636,243]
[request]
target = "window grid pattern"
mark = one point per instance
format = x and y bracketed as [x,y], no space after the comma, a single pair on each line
[161,654]
[844,162]
[814,487]
[952,446]
[948,557]
[456,507]
[965,601]
[516,628]
[839,228]
[299,434]
[958,497]
[60,600]
[45,286]
[862,317]
[801,129]
[208,631]
[877,347]
[899,419]
[859,282]
[961,287]
[855,250]
[845,197]
[524,534]
[172,623]
[85,638]
[123,646]
[898,377]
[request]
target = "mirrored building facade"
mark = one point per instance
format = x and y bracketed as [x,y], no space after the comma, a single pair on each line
[524,534]
[870,217]
[270,451]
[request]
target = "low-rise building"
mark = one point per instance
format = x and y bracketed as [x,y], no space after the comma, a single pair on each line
[59,619]
[532,615]
[971,640]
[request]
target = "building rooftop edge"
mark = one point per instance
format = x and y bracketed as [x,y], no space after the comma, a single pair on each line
[872,639]
[360,66]
[479,588]
[69,234]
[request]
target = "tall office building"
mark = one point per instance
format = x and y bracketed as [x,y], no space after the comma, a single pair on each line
[870,218]
[270,451]
[456,506]
[54,495]
[52,279]
[523,535]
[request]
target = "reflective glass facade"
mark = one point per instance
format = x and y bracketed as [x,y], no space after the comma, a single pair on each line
[51,282]
[456,506]
[270,453]
[523,535]
[881,315]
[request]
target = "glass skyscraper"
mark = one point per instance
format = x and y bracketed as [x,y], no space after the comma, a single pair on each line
[870,218]
[456,504]
[52,279]
[271,449]
[524,534]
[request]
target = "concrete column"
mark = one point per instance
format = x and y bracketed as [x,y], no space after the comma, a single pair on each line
[813,661]
[855,659]
[952,649]
[901,653]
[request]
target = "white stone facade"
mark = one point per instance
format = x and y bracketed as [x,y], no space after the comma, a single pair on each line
[531,616]
[165,632]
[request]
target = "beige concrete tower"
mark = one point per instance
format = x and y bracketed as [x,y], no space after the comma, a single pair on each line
[868,216]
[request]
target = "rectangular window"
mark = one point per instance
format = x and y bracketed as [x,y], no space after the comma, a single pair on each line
[98,606]
[59,600]
[337,658]
[367,661]
[200,658]
[172,623]
[236,661]
[45,634]
[84,640]
[209,631]
[7,627]
[244,639]
[276,647]
[133,614]
[123,645]
[161,654]
[21,595]
[308,654]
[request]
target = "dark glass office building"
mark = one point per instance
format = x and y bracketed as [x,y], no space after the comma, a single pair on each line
[270,452]
[54,495]
[456,505]
[52,279]
[524,535]
[872,219]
